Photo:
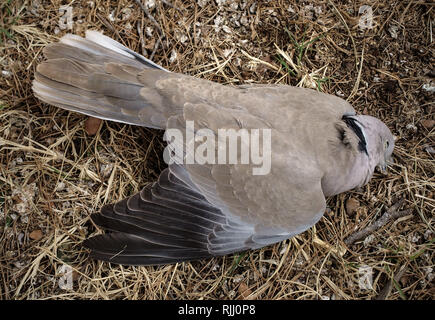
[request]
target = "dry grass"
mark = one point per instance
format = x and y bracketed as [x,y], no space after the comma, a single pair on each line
[53,175]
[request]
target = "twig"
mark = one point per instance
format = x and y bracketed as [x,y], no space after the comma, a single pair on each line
[358,79]
[142,41]
[387,20]
[348,30]
[391,214]
[387,289]
[259,60]
[404,12]
[155,49]
[107,24]
[150,16]
[171,5]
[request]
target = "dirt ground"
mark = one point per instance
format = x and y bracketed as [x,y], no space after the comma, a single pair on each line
[53,174]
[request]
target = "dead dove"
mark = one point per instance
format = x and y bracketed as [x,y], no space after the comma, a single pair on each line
[319,147]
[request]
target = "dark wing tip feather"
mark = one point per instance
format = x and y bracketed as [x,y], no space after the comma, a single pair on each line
[149,230]
[167,222]
[121,248]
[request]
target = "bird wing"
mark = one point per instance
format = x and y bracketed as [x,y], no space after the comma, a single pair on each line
[168,221]
[287,200]
[172,220]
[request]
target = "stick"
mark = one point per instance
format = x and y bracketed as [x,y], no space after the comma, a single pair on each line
[171,5]
[142,42]
[385,292]
[150,16]
[391,214]
[155,49]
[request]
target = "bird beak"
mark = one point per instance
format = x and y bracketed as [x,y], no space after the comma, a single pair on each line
[382,168]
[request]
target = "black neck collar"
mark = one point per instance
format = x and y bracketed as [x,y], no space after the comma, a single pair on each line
[357,128]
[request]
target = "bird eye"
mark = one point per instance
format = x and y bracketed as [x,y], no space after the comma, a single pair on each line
[387,144]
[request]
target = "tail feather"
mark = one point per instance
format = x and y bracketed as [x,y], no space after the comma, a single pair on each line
[96,48]
[98,76]
[91,104]
[77,75]
[113,45]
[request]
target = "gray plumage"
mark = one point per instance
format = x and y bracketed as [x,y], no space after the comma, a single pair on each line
[320,148]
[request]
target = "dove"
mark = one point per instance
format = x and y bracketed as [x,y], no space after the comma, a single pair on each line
[320,147]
